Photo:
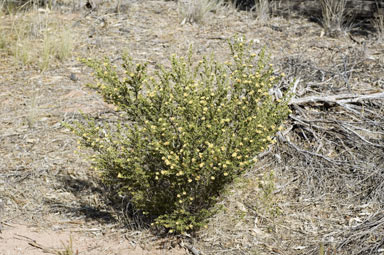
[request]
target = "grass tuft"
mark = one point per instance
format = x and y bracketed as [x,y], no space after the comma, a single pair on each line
[333,15]
[378,24]
[68,249]
[262,10]
[196,11]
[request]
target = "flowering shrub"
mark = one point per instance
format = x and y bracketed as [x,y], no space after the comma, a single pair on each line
[185,133]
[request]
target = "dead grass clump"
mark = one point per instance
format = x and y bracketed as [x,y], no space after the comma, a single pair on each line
[333,152]
[378,24]
[333,15]
[262,10]
[196,11]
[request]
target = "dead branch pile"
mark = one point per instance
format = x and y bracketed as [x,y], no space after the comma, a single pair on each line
[334,149]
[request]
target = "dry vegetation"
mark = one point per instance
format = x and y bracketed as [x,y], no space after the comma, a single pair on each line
[319,190]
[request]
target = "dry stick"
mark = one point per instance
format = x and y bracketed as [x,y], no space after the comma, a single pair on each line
[344,100]
[38,246]
[191,249]
[336,99]
[362,138]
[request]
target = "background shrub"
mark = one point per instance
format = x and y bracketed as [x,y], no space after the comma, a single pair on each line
[184,133]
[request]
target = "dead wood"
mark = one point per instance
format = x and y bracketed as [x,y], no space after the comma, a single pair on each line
[341,99]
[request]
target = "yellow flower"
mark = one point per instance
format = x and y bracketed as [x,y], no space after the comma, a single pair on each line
[166,143]
[184,193]
[201,164]
[225,174]
[212,178]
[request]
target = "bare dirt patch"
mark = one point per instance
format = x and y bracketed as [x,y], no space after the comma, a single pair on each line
[31,240]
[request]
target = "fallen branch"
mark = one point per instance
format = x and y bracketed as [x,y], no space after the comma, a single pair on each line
[336,99]
[191,248]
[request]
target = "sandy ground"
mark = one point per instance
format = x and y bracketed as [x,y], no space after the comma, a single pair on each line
[21,239]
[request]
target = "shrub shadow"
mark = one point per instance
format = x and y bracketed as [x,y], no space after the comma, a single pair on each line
[95,201]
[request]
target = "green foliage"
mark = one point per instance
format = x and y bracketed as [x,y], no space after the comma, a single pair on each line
[185,133]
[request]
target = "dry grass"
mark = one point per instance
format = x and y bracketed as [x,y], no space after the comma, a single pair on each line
[36,38]
[197,11]
[378,24]
[262,10]
[68,249]
[333,15]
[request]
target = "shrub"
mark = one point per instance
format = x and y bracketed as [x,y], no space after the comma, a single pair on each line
[185,133]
